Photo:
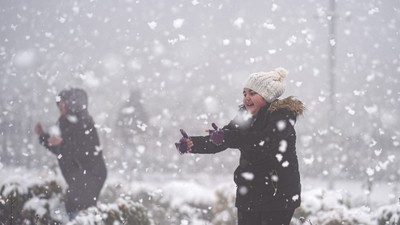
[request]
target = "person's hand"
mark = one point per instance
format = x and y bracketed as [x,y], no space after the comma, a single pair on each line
[54,140]
[38,129]
[217,135]
[185,144]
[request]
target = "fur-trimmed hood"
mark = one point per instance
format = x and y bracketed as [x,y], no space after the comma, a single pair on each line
[290,103]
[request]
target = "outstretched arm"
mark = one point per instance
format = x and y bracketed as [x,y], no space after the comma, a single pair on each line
[203,145]
[197,144]
[279,127]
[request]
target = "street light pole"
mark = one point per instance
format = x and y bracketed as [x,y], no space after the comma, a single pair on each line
[332,61]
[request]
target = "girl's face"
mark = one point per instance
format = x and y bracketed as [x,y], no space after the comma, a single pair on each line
[253,101]
[62,107]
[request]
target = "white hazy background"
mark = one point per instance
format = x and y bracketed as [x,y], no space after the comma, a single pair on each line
[188,60]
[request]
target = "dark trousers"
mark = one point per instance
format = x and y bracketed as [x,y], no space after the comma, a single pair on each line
[264,218]
[83,192]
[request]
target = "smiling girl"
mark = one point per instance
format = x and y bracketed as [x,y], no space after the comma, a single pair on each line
[267,178]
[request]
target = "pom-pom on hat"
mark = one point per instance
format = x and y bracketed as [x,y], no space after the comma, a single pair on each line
[270,85]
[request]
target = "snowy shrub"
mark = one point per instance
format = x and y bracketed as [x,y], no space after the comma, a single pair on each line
[176,202]
[165,210]
[159,208]
[343,216]
[317,200]
[111,192]
[388,215]
[40,211]
[124,211]
[224,209]
[328,207]
[24,204]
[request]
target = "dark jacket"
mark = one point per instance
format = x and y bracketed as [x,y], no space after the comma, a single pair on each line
[267,177]
[80,150]
[80,158]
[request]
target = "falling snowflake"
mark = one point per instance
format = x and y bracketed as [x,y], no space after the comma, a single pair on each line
[152,25]
[178,23]
[283,146]
[248,176]
[281,125]
[238,22]
[370,171]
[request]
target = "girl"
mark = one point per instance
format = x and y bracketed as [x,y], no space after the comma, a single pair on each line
[267,178]
[78,151]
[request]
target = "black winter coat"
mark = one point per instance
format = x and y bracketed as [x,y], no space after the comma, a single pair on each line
[267,177]
[80,160]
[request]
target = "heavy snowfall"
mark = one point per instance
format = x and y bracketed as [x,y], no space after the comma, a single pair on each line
[152,67]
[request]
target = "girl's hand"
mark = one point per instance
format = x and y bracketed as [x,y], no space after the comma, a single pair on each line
[189,143]
[38,128]
[217,135]
[54,140]
[185,144]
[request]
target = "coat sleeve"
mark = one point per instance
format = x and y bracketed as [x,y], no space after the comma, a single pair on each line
[202,145]
[278,127]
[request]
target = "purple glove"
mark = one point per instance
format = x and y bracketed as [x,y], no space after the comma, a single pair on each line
[217,135]
[182,146]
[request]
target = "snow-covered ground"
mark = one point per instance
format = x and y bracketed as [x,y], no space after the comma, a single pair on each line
[188,193]
[382,193]
[201,186]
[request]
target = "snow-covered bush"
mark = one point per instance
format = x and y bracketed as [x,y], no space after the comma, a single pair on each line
[36,203]
[328,207]
[160,209]
[123,211]
[342,216]
[175,202]
[224,209]
[39,202]
[171,206]
[388,215]
[111,192]
[317,200]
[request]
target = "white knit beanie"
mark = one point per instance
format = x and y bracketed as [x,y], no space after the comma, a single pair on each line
[270,85]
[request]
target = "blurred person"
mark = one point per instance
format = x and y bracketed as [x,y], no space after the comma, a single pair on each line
[267,178]
[132,120]
[77,148]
